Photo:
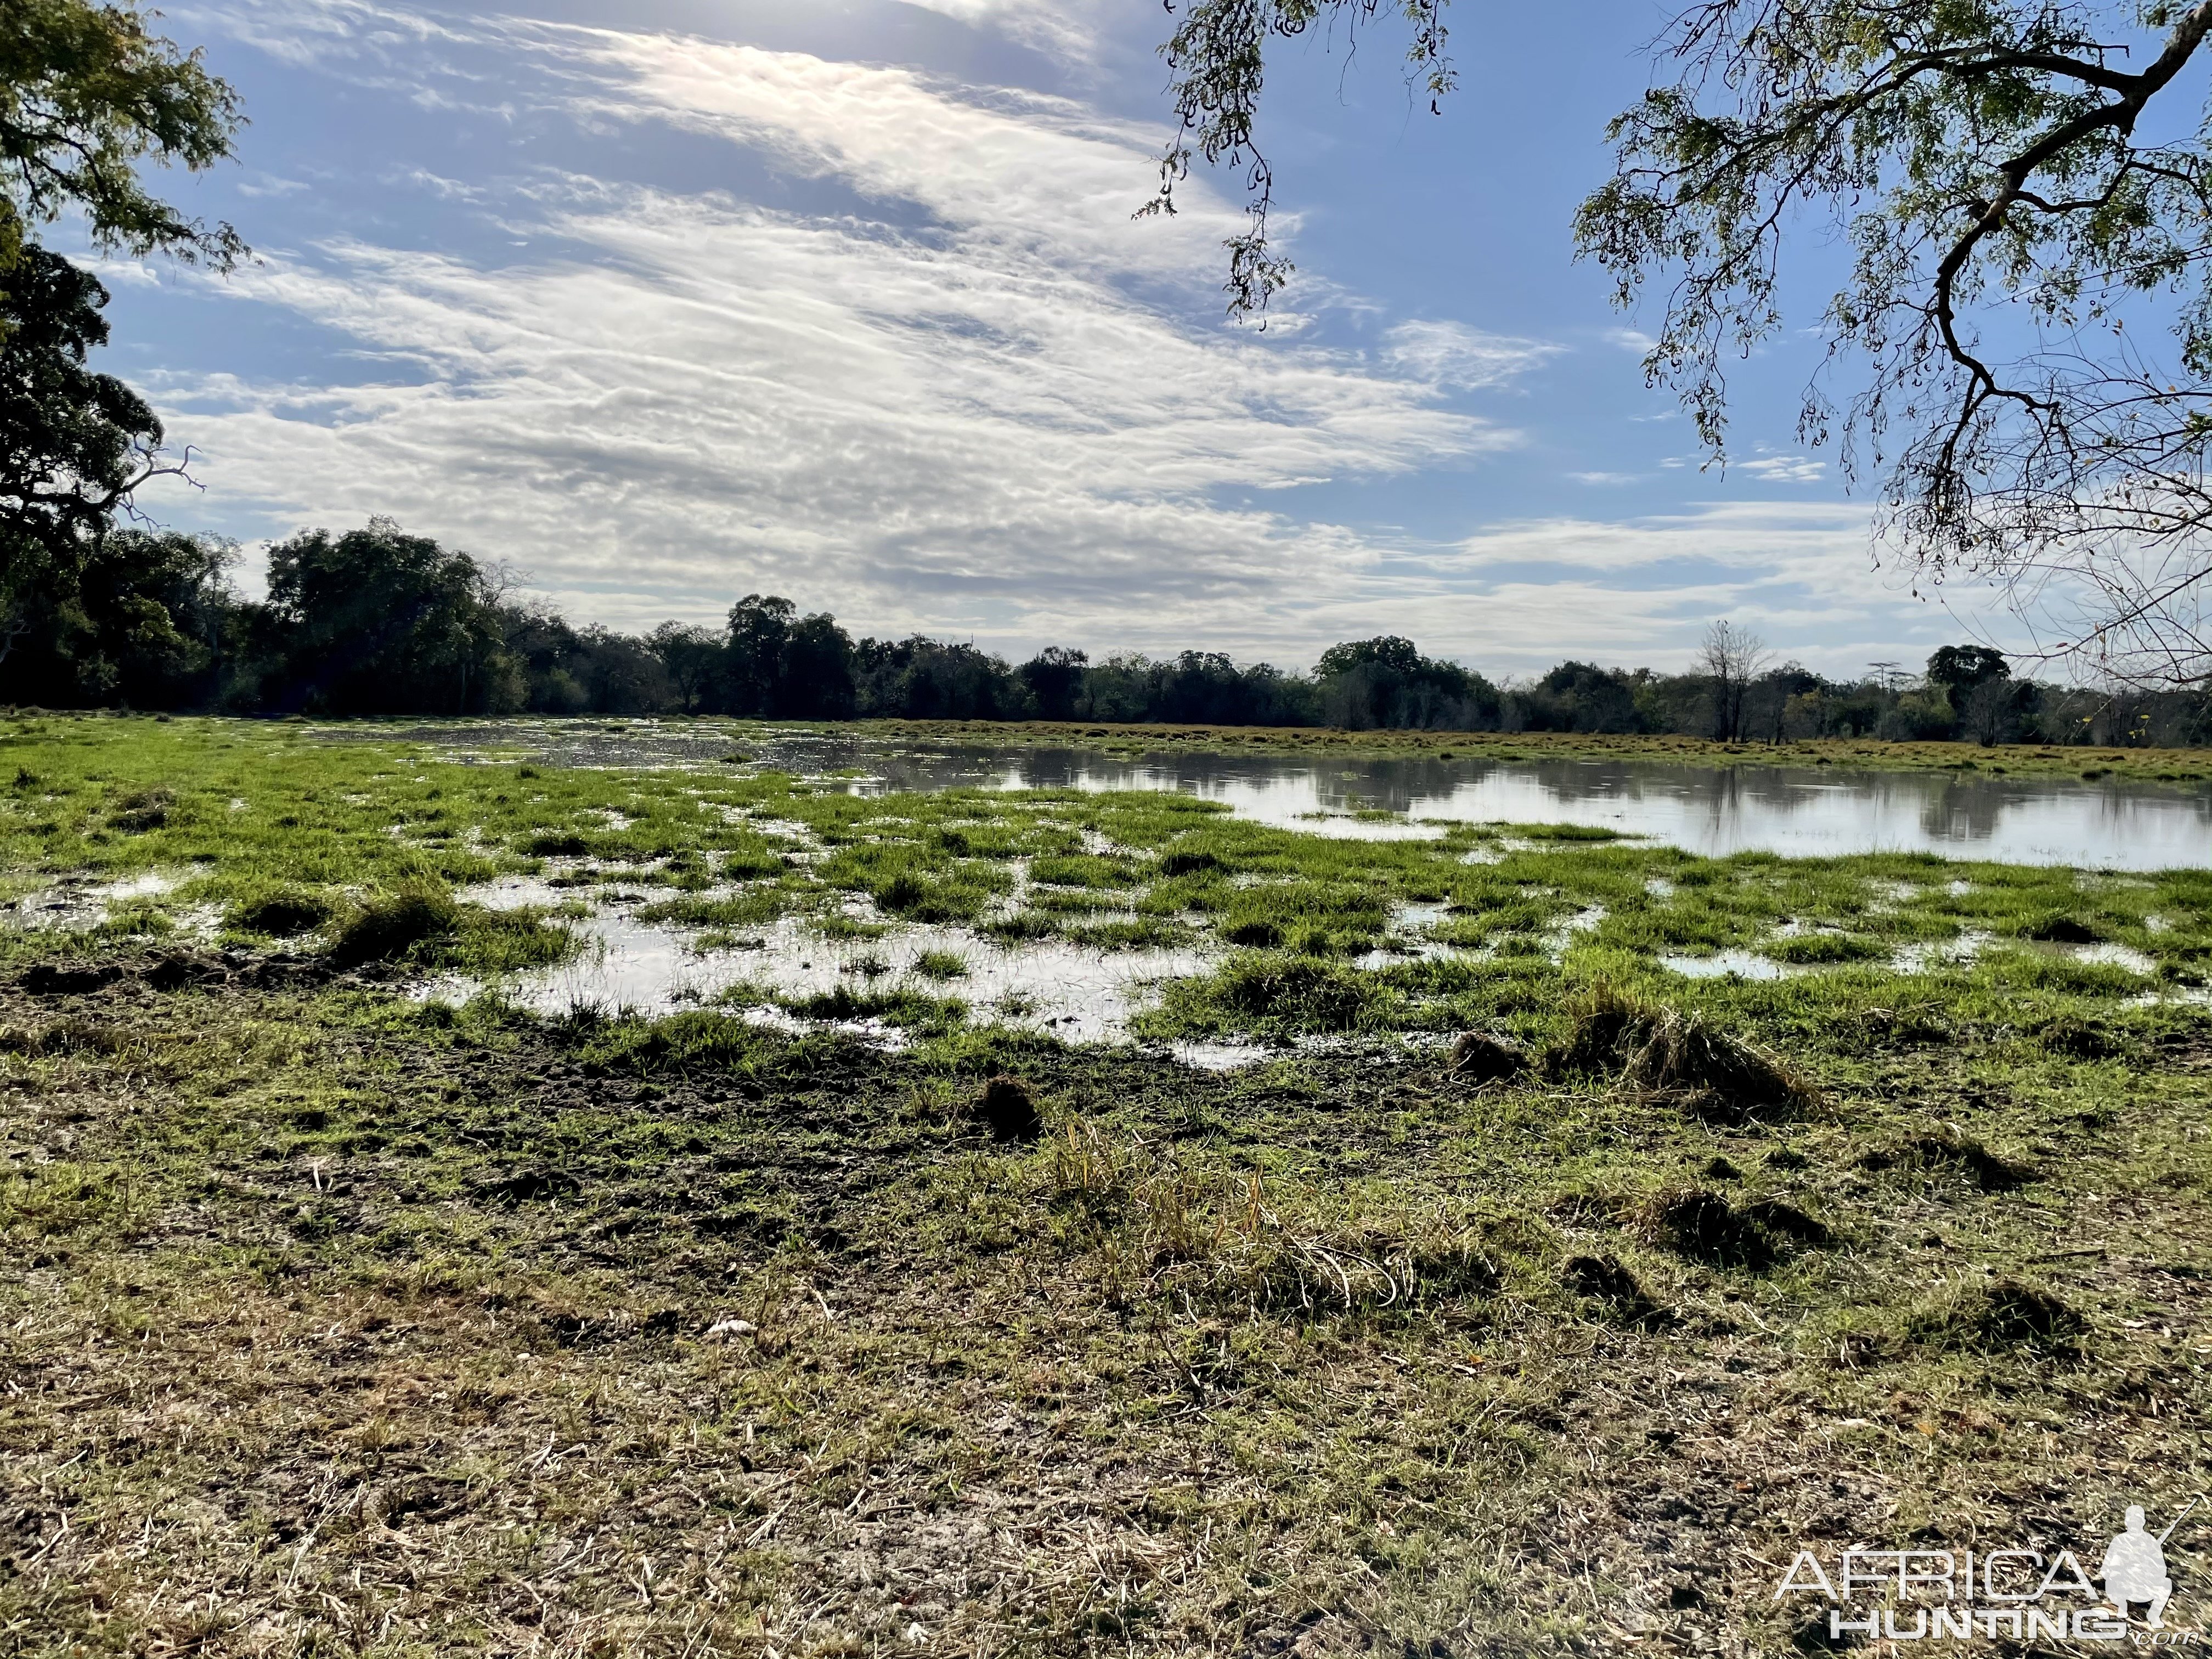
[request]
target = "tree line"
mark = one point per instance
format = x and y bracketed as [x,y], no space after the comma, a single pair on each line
[377,622]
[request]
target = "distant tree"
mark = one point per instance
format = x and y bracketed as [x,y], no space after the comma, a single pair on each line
[1386,682]
[920,679]
[1054,678]
[1960,668]
[1996,710]
[750,677]
[688,655]
[1581,696]
[74,443]
[150,623]
[377,621]
[91,93]
[818,677]
[778,665]
[1731,657]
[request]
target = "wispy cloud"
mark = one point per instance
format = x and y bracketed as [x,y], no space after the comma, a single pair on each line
[1453,355]
[964,413]
[1067,28]
[1785,469]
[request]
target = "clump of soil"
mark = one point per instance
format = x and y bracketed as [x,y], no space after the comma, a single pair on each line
[388,928]
[1480,1057]
[1603,1278]
[1006,1109]
[1667,1053]
[141,809]
[1948,1150]
[2006,1314]
[49,978]
[553,844]
[1702,1224]
[281,913]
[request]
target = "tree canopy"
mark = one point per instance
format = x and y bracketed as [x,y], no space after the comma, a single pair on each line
[2026,324]
[87,93]
[73,442]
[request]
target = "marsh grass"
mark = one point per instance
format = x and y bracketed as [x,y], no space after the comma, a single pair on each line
[341,1324]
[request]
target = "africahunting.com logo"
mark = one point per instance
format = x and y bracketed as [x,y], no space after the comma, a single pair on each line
[1918,1595]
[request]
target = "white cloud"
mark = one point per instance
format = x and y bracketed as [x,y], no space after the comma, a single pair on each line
[1452,355]
[1785,469]
[1063,27]
[1605,477]
[970,417]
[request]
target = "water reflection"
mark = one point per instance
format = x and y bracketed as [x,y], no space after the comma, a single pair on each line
[1802,812]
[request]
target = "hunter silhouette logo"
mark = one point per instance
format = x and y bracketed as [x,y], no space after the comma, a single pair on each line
[2135,1566]
[1932,1595]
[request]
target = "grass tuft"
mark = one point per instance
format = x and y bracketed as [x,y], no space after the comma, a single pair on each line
[1678,1056]
[388,928]
[281,911]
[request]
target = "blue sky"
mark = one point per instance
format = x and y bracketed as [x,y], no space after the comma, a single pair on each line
[663,302]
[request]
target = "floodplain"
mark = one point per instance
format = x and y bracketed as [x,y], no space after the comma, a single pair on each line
[586,1200]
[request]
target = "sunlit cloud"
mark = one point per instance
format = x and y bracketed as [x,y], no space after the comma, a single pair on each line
[1453,355]
[979,417]
[1784,469]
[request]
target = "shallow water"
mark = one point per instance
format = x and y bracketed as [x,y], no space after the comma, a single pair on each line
[1798,811]
[1079,994]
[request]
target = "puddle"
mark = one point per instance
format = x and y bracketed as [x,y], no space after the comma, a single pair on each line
[1219,1056]
[75,903]
[1930,956]
[1073,992]
[2112,955]
[1744,964]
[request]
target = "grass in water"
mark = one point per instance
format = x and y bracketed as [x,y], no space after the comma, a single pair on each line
[344,1323]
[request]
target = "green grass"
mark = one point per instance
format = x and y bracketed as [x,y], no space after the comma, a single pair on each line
[342,1323]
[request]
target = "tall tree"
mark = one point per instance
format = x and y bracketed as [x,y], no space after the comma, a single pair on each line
[2026,323]
[1731,657]
[74,443]
[377,621]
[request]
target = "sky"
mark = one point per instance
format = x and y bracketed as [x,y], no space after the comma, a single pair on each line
[656,303]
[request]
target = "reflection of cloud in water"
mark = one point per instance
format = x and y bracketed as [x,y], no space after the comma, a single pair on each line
[1799,811]
[1077,993]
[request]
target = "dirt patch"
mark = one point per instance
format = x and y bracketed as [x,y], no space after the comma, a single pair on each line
[2007,1314]
[1603,1279]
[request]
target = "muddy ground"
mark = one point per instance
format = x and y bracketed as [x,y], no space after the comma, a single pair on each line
[340,1324]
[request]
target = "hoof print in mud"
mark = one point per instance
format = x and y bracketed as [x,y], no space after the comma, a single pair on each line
[528,1186]
[1604,1278]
